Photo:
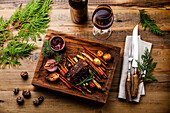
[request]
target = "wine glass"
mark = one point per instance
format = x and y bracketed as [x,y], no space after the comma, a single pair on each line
[102,19]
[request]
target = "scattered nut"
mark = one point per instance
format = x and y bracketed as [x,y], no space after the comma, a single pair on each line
[39,39]
[36,102]
[24,75]
[41,99]
[20,100]
[26,93]
[16,91]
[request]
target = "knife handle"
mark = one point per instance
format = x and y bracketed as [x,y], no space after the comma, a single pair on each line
[135,85]
[128,86]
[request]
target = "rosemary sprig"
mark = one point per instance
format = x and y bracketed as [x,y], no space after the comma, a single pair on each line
[147,22]
[14,51]
[87,79]
[147,66]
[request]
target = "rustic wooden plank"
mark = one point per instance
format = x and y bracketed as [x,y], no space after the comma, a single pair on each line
[157,99]
[123,3]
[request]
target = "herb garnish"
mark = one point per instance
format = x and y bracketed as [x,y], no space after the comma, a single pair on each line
[147,66]
[147,22]
[48,52]
[87,78]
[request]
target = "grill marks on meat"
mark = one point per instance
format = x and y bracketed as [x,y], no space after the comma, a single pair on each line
[78,70]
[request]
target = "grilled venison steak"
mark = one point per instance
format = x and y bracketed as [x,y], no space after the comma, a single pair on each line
[79,69]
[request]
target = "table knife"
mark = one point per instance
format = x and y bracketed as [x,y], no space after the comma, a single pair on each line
[134,63]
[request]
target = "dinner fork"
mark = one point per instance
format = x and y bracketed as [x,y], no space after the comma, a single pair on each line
[128,84]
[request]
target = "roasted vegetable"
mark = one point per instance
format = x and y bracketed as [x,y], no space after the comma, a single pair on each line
[97,84]
[51,65]
[107,56]
[100,53]
[94,55]
[87,56]
[52,77]
[97,62]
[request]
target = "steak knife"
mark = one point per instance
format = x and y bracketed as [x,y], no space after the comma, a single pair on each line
[134,63]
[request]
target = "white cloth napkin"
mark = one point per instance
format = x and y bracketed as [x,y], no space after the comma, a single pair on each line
[142,46]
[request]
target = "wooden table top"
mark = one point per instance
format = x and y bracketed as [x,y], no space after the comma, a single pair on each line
[126,16]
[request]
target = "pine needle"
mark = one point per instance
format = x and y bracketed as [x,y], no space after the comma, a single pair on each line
[147,22]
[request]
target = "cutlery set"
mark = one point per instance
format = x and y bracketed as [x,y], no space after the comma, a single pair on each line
[132,82]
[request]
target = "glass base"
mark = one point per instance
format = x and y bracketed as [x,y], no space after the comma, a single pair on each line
[101,34]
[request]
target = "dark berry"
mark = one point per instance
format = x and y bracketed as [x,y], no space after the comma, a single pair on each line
[41,99]
[24,75]
[26,93]
[16,91]
[36,102]
[20,100]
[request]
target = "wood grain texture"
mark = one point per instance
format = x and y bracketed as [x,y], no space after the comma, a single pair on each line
[157,98]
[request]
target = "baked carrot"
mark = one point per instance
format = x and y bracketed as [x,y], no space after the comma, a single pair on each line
[79,56]
[71,84]
[71,60]
[94,74]
[86,55]
[95,57]
[97,84]
[94,54]
[96,68]
[103,69]
[65,82]
[90,54]
[91,64]
[105,76]
[63,69]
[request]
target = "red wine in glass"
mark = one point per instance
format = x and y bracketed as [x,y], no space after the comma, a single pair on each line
[102,19]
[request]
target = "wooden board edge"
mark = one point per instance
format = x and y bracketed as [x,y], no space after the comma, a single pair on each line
[83,40]
[35,83]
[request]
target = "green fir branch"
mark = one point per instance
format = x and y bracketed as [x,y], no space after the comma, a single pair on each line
[30,22]
[14,51]
[147,66]
[147,22]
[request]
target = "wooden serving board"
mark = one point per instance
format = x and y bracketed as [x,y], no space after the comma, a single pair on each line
[71,49]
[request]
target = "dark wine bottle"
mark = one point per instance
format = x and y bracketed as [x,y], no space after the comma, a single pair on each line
[78,10]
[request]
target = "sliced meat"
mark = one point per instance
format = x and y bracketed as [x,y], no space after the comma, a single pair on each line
[79,69]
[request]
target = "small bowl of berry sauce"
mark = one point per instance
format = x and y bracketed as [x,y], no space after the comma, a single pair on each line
[57,43]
